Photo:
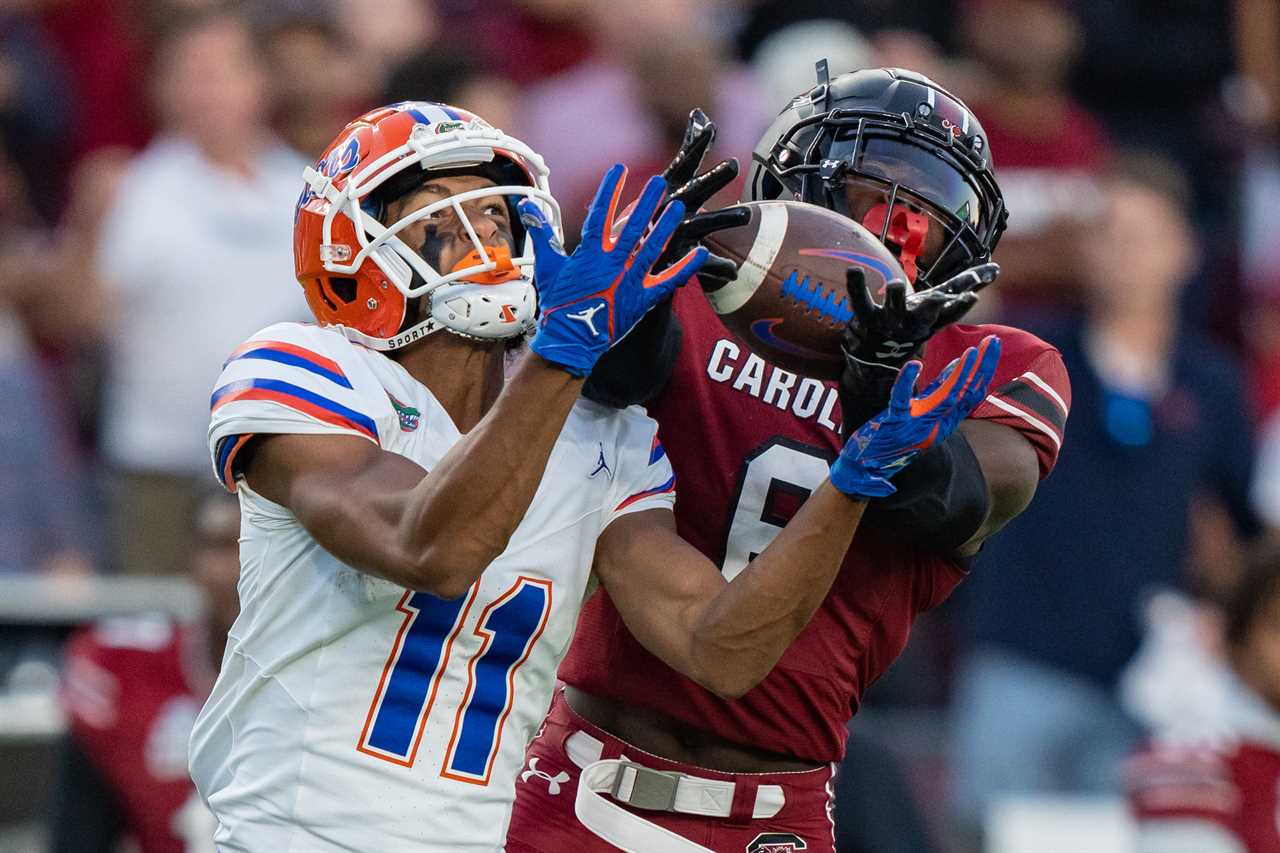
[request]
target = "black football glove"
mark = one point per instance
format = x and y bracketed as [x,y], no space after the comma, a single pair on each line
[639,366]
[880,339]
[695,190]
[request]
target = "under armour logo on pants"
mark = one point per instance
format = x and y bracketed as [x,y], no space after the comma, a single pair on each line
[553,782]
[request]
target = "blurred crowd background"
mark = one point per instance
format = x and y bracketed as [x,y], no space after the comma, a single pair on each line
[151,152]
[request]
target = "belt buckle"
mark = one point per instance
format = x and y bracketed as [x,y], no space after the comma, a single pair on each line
[653,790]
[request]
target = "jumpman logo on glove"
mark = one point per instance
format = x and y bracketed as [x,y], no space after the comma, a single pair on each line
[609,273]
[586,315]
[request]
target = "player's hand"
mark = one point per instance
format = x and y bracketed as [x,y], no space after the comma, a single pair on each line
[880,339]
[693,190]
[589,300]
[913,423]
[638,368]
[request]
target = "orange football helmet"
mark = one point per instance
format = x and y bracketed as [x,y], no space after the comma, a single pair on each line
[357,273]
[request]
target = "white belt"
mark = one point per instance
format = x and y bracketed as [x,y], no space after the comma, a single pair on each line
[645,788]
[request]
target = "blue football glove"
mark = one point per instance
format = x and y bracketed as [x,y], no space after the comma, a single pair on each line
[887,443]
[589,300]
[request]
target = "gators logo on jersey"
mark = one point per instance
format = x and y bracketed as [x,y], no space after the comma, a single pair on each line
[776,842]
[410,417]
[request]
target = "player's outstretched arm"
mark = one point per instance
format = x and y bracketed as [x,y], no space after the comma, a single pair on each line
[384,514]
[437,531]
[728,634]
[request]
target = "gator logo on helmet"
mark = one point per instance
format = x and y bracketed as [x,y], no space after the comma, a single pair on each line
[339,162]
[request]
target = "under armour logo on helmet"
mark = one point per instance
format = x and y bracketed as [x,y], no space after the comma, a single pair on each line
[586,315]
[553,782]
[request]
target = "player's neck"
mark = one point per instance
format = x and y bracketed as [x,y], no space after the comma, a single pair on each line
[464,375]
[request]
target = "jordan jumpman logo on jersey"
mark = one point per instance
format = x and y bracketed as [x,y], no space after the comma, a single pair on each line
[601,465]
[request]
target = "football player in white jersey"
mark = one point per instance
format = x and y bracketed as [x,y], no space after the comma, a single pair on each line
[418,532]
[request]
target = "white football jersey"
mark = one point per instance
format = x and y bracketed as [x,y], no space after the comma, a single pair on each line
[352,714]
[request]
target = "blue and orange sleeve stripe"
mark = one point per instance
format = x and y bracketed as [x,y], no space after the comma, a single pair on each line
[227,450]
[299,399]
[656,451]
[668,486]
[293,355]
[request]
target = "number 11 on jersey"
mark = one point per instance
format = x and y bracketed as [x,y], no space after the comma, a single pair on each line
[507,628]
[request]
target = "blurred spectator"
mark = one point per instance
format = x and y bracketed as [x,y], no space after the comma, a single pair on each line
[915,50]
[784,61]
[1052,608]
[1209,783]
[1266,491]
[1254,93]
[102,46]
[653,62]
[455,78]
[521,40]
[132,688]
[43,512]
[381,36]
[1153,70]
[316,84]
[65,315]
[1177,684]
[1048,147]
[1262,327]
[51,305]
[35,107]
[1260,312]
[195,257]
[1254,97]
[1156,71]
[927,21]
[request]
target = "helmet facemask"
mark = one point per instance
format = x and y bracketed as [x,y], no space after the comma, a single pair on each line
[489,296]
[904,180]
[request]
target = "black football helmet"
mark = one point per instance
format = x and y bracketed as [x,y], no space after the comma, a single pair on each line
[895,152]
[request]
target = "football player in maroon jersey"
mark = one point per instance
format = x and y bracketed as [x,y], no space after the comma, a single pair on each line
[1213,786]
[749,441]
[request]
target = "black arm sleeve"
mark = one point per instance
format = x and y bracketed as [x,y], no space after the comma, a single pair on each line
[84,816]
[637,368]
[941,501]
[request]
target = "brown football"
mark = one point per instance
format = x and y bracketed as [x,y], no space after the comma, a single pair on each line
[789,302]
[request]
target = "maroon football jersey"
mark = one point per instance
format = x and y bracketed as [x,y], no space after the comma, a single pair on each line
[131,692]
[749,442]
[1220,795]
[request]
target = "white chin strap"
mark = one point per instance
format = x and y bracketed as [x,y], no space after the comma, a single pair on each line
[478,311]
[486,311]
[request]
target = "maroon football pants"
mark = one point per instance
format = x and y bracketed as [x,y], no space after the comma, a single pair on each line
[544,820]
